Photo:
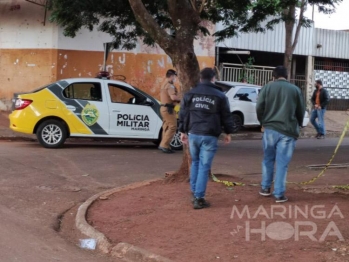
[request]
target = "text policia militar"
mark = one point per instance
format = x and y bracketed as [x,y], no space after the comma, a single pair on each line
[135,122]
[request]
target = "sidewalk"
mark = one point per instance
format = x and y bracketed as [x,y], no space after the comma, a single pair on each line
[335,122]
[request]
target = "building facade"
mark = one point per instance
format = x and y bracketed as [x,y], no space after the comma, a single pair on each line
[320,54]
[34,52]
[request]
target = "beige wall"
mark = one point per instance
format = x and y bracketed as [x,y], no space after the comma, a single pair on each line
[25,70]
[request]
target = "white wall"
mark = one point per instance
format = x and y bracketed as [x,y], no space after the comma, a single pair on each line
[23,28]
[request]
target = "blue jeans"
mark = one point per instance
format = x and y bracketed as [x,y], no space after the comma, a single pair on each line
[277,148]
[320,124]
[202,150]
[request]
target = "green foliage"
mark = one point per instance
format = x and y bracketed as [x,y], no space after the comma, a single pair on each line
[246,76]
[271,12]
[116,17]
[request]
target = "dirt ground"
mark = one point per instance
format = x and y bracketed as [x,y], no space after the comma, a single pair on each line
[160,218]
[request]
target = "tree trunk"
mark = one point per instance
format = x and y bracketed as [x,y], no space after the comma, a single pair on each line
[180,48]
[289,25]
[290,45]
[187,66]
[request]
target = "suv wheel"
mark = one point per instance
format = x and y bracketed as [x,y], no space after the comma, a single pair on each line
[237,122]
[51,133]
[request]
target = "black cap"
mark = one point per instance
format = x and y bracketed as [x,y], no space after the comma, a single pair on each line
[170,73]
[318,82]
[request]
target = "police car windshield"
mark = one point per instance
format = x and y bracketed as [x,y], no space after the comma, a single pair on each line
[142,92]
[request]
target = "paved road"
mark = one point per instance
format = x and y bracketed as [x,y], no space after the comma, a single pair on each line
[37,184]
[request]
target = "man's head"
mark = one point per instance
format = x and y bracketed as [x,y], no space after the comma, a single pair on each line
[207,74]
[171,75]
[318,83]
[280,72]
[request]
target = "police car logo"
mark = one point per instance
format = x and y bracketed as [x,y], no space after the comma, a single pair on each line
[89,114]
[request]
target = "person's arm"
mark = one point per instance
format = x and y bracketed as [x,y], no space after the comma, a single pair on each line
[300,109]
[175,98]
[183,117]
[171,90]
[326,99]
[260,106]
[312,99]
[226,118]
[183,121]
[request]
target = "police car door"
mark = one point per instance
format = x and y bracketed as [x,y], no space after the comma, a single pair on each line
[131,115]
[87,107]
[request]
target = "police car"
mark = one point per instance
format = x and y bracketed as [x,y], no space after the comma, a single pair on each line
[90,108]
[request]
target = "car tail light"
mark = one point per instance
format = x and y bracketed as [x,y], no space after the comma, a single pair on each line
[22,103]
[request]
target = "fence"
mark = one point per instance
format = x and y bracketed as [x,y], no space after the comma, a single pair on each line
[331,66]
[260,75]
[257,75]
[339,98]
[302,84]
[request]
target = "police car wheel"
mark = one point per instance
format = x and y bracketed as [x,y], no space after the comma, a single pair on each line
[51,133]
[237,122]
[176,143]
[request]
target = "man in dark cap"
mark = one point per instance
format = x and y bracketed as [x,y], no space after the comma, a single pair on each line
[319,99]
[168,98]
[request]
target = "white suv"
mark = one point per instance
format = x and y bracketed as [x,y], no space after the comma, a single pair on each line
[242,99]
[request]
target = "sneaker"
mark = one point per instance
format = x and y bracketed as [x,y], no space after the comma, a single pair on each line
[320,136]
[317,135]
[200,203]
[281,199]
[265,192]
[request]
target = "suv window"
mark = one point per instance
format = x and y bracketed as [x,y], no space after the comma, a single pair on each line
[246,94]
[84,91]
[121,95]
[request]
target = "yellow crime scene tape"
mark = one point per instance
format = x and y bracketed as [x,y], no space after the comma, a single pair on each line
[344,187]
[225,182]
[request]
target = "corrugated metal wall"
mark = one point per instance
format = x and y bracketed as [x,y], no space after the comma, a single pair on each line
[334,44]
[270,41]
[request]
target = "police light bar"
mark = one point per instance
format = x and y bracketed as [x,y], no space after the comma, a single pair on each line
[103,75]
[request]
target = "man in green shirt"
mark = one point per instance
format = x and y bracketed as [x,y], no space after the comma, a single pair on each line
[280,110]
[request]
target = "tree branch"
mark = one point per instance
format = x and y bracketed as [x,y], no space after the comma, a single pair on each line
[193,4]
[202,5]
[143,17]
[203,2]
[299,25]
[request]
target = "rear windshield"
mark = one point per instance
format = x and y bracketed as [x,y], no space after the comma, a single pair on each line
[39,89]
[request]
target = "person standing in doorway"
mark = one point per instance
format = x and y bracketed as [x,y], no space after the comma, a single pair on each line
[319,99]
[280,110]
[168,97]
[204,111]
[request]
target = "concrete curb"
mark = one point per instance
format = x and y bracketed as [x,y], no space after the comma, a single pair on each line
[124,251]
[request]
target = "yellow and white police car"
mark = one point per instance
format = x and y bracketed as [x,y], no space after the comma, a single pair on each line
[90,108]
